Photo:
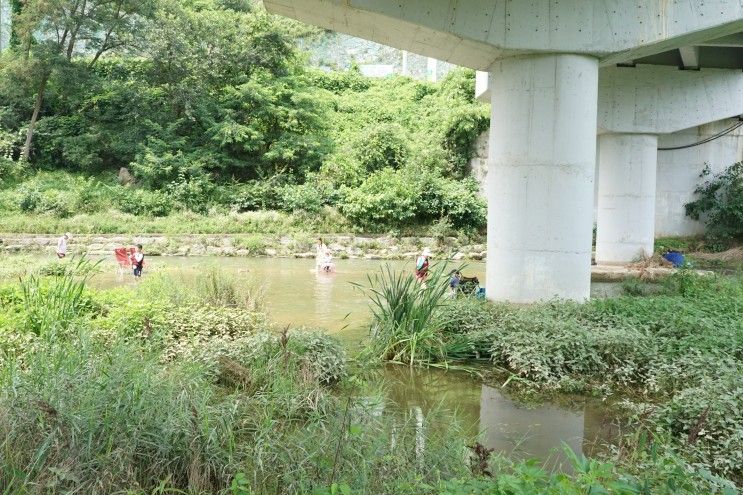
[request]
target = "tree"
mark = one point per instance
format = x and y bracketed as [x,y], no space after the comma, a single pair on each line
[51,32]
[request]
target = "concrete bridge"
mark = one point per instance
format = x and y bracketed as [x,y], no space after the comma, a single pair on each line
[562,77]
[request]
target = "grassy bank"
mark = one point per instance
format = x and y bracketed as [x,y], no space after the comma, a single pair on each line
[674,348]
[189,389]
[219,222]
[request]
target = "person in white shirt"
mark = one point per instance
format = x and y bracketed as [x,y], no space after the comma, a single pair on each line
[62,245]
[323,257]
[138,261]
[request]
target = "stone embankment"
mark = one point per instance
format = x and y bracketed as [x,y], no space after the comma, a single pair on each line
[297,246]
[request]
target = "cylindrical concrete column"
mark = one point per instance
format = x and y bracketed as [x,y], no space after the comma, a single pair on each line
[625,223]
[540,178]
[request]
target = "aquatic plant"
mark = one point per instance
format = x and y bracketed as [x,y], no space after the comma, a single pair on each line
[113,418]
[403,325]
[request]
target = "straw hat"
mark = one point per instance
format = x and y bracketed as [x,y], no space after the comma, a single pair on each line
[426,252]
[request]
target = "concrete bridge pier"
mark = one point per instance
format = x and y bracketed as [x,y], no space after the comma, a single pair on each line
[560,73]
[625,224]
[540,178]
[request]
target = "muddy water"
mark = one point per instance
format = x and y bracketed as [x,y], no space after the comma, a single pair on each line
[296,294]
[517,430]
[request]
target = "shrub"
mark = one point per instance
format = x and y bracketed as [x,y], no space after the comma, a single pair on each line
[382,145]
[462,127]
[157,165]
[254,244]
[707,420]
[30,199]
[193,193]
[719,204]
[386,198]
[190,329]
[9,169]
[145,203]
[92,196]
[259,195]
[306,197]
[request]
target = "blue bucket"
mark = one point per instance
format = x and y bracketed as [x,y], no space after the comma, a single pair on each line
[675,257]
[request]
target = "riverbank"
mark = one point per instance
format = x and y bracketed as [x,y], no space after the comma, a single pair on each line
[200,392]
[346,246]
[670,351]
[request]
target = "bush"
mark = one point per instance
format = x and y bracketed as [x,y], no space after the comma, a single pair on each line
[35,200]
[259,195]
[382,145]
[707,418]
[157,165]
[254,244]
[386,198]
[141,202]
[194,193]
[719,204]
[400,198]
[306,197]
[30,199]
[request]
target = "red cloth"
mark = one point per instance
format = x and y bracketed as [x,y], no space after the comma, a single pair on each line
[124,256]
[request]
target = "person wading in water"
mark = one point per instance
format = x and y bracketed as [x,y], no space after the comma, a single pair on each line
[62,245]
[138,261]
[421,266]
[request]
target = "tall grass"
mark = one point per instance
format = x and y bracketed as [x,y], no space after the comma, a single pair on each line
[403,326]
[86,419]
[211,287]
[52,304]
[92,421]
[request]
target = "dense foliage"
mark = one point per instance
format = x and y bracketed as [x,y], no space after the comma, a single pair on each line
[719,203]
[210,105]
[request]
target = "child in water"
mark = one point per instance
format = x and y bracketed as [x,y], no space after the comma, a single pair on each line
[138,261]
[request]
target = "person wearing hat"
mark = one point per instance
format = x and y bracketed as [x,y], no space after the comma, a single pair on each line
[421,265]
[62,245]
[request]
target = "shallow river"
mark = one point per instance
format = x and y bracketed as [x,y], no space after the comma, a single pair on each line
[297,295]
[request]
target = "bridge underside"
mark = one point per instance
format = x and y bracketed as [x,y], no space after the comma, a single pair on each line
[559,74]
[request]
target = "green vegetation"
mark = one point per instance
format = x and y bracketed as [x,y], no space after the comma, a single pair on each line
[210,109]
[169,388]
[166,387]
[674,348]
[403,330]
[719,204]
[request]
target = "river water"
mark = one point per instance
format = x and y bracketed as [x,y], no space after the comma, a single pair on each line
[296,294]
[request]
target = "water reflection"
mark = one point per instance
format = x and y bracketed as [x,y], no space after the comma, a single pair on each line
[323,293]
[511,428]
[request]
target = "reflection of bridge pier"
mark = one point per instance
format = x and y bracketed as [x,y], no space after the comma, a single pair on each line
[505,425]
[521,432]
